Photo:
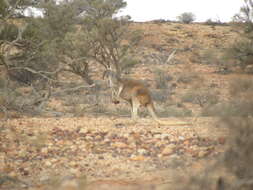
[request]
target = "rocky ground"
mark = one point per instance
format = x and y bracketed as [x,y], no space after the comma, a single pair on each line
[105,153]
[76,149]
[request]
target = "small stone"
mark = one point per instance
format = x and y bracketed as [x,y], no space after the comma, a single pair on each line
[142,151]
[158,136]
[69,184]
[83,130]
[74,171]
[159,143]
[120,145]
[89,138]
[48,163]
[72,163]
[167,151]
[44,150]
[164,136]
[187,142]
[101,157]
[13,174]
[202,153]
[98,137]
[137,158]
[44,178]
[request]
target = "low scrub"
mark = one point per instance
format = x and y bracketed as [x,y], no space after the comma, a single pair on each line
[201,97]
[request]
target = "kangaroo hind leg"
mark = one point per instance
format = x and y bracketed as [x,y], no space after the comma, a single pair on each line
[135,106]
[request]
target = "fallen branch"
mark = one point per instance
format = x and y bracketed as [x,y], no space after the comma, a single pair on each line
[171,56]
[72,89]
[40,73]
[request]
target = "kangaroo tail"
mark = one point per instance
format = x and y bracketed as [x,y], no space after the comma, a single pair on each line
[151,110]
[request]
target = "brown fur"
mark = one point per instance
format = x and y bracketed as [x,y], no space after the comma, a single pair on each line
[137,94]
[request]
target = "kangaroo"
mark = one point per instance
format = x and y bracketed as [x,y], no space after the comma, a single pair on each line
[134,92]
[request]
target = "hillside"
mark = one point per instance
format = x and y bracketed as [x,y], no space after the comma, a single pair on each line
[83,141]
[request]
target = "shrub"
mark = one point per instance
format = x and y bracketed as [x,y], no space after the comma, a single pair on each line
[160,95]
[188,77]
[201,97]
[211,57]
[162,79]
[241,88]
[9,32]
[186,17]
[239,157]
[127,64]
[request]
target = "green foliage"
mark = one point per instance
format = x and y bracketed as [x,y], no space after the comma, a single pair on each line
[135,37]
[241,51]
[105,33]
[9,32]
[3,9]
[186,17]
[127,63]
[14,8]
[162,79]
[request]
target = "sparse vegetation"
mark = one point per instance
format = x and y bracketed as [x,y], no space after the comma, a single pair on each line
[241,50]
[187,78]
[202,97]
[162,79]
[78,131]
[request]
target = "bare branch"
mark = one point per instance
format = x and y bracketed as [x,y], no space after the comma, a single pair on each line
[71,89]
[40,73]
[171,56]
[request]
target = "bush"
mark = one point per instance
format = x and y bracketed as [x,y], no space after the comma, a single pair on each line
[211,57]
[162,79]
[227,109]
[160,95]
[241,88]
[8,32]
[201,97]
[186,17]
[127,64]
[239,157]
[188,77]
[241,53]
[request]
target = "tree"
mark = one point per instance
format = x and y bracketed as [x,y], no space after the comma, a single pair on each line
[186,17]
[242,49]
[105,33]
[69,36]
